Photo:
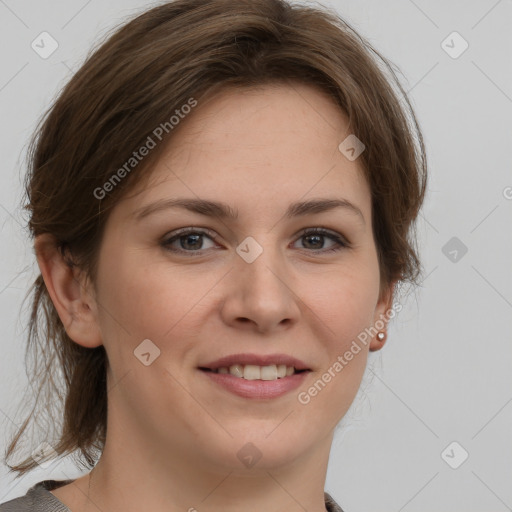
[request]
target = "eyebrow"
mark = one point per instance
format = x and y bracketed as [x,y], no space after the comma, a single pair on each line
[223,211]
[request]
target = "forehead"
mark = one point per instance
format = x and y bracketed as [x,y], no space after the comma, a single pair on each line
[258,146]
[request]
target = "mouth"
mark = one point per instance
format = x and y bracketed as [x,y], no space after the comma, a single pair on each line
[256,376]
[251,366]
[256,372]
[254,382]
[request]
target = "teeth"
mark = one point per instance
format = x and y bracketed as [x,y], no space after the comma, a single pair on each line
[254,372]
[237,370]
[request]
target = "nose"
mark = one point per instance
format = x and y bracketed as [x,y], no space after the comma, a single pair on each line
[260,297]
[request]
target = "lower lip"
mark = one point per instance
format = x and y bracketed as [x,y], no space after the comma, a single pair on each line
[259,389]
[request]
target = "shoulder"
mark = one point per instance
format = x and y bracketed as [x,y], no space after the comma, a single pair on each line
[37,499]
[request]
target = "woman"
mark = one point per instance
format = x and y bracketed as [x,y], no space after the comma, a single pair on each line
[222,202]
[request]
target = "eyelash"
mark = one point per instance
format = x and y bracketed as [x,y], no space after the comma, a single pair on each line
[341,243]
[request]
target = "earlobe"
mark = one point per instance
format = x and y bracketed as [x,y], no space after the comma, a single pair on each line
[381,318]
[70,294]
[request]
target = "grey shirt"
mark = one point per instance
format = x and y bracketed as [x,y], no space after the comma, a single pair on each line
[40,499]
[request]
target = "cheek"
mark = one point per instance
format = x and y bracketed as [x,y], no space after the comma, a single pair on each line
[145,298]
[140,302]
[343,308]
[343,300]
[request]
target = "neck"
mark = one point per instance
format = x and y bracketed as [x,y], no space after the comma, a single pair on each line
[149,475]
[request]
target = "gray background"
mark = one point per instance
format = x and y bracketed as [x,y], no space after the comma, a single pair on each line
[445,372]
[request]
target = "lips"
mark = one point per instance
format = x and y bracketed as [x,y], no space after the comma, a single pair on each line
[255,359]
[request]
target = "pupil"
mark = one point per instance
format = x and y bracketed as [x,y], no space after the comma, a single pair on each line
[188,237]
[314,236]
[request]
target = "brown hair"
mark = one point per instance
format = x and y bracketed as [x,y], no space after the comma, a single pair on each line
[137,79]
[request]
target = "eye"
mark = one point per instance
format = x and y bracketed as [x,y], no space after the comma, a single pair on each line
[189,240]
[316,236]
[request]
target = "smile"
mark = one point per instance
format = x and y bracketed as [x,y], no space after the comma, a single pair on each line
[255,372]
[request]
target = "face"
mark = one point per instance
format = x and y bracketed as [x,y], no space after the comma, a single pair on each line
[198,287]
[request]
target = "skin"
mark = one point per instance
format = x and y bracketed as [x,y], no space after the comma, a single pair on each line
[173,435]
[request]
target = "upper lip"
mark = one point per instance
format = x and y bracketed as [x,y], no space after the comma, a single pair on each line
[256,359]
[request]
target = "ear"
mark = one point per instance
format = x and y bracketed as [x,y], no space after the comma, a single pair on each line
[72,295]
[382,316]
